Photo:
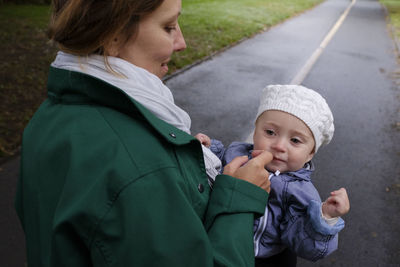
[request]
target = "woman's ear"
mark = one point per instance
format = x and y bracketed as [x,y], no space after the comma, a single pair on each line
[113,47]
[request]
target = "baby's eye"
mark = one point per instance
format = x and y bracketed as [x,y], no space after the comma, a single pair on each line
[295,140]
[269,132]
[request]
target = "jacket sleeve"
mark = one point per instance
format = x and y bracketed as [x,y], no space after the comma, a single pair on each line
[153,222]
[303,230]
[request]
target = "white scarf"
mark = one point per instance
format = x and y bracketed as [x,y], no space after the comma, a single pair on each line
[141,85]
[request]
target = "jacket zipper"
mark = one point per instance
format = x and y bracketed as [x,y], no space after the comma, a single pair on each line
[263,222]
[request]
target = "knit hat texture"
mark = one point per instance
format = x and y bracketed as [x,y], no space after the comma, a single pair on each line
[306,104]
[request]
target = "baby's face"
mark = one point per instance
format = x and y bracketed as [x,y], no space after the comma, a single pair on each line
[288,139]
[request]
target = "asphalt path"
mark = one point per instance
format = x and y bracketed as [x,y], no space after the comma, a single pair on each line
[357,73]
[359,76]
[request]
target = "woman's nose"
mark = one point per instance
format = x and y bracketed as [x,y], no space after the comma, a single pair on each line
[179,42]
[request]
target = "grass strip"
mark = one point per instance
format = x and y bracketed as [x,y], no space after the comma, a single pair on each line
[393,8]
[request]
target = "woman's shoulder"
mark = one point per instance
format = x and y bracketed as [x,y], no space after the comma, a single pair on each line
[122,141]
[146,148]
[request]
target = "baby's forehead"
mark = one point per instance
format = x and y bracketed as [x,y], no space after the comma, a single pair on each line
[276,116]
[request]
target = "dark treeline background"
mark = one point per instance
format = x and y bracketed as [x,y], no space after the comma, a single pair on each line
[25,1]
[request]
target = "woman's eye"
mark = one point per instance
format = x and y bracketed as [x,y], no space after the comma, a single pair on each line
[170,28]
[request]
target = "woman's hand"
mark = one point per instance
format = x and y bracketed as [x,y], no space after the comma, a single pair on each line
[337,204]
[252,171]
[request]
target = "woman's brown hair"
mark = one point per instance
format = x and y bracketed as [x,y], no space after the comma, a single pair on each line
[84,27]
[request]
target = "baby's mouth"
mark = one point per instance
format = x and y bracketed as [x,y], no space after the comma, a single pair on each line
[278,159]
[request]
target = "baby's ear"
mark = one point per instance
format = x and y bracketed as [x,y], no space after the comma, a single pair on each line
[311,155]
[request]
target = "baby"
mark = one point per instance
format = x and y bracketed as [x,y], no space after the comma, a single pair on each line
[292,123]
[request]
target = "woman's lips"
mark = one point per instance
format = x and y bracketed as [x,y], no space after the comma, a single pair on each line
[164,67]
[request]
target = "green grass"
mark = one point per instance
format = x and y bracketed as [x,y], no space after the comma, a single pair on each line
[393,7]
[208,27]
[37,15]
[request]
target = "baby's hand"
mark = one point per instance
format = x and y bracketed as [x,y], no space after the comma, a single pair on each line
[337,204]
[204,139]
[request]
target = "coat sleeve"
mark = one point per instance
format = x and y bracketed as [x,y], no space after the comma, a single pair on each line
[303,230]
[152,222]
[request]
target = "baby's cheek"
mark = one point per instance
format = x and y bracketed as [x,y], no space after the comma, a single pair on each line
[261,146]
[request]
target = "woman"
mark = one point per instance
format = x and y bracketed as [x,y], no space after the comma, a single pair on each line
[110,175]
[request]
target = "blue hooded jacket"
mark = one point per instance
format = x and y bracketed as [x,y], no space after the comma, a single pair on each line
[293,214]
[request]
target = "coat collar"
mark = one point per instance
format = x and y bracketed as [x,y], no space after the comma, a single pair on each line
[303,173]
[71,87]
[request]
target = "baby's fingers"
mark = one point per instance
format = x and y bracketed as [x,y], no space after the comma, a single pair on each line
[342,191]
[204,139]
[332,200]
[341,203]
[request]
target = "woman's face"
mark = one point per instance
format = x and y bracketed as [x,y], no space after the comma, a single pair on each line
[157,38]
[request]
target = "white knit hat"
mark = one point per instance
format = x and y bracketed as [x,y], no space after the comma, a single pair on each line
[306,104]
